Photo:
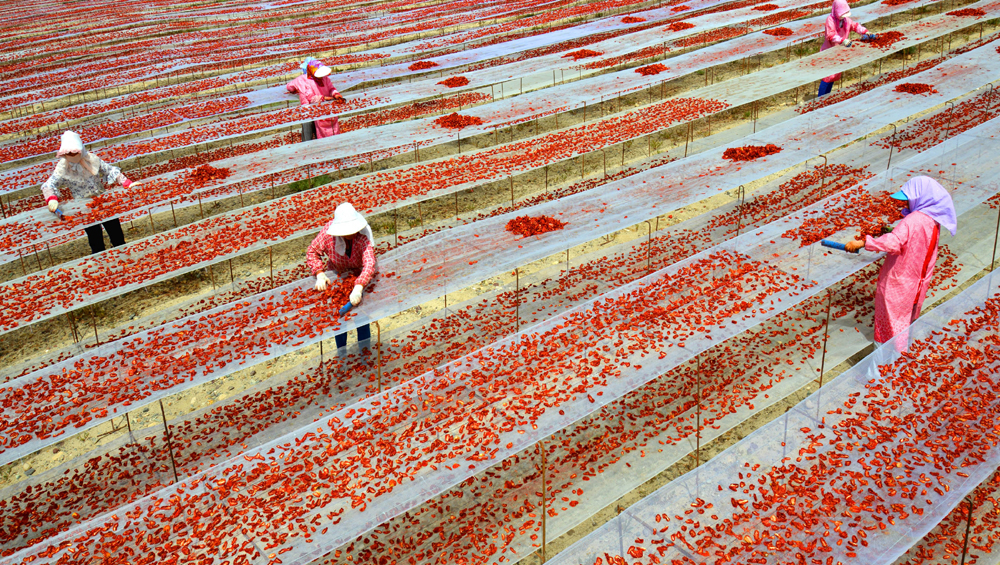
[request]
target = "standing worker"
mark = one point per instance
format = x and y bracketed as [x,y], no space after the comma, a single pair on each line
[839,26]
[314,87]
[912,251]
[348,243]
[81,174]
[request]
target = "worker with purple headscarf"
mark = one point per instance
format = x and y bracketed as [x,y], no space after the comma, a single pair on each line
[912,251]
[839,26]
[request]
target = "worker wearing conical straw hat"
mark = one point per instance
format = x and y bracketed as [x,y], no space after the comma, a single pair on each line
[81,174]
[349,245]
[314,87]
[839,26]
[906,274]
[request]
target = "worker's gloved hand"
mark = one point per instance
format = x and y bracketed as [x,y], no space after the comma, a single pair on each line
[869,37]
[339,98]
[847,43]
[356,295]
[854,246]
[53,205]
[322,281]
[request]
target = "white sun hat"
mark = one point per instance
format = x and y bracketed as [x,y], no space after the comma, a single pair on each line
[346,221]
[322,71]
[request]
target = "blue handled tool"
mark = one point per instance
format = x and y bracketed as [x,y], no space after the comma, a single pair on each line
[346,308]
[59,214]
[835,245]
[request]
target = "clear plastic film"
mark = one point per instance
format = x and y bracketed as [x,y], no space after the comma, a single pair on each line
[419,272]
[409,93]
[955,77]
[432,432]
[892,445]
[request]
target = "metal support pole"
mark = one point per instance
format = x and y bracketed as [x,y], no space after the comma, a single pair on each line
[378,352]
[996,235]
[826,335]
[270,261]
[93,322]
[891,147]
[170,442]
[742,195]
[541,448]
[697,429]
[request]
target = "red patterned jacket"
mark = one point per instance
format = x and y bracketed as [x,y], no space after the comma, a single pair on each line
[362,255]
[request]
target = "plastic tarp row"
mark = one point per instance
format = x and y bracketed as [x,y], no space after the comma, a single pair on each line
[362,190]
[858,472]
[413,92]
[430,433]
[302,392]
[210,345]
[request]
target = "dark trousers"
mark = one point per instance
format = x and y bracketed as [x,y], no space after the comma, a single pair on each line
[364,333]
[96,238]
[308,131]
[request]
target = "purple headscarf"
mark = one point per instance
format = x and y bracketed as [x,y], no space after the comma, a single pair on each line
[928,196]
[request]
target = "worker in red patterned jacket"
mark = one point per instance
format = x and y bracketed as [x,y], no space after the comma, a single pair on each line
[348,244]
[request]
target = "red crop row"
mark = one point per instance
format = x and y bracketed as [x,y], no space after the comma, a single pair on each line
[127,126]
[545,18]
[483,323]
[639,55]
[765,7]
[221,236]
[632,20]
[931,130]
[862,87]
[526,226]
[712,36]
[110,204]
[537,373]
[948,408]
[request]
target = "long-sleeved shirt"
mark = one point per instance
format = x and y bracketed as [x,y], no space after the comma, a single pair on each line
[362,256]
[75,181]
[903,282]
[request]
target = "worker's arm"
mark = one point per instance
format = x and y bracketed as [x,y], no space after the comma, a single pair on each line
[858,28]
[314,260]
[892,243]
[367,269]
[334,95]
[49,192]
[832,33]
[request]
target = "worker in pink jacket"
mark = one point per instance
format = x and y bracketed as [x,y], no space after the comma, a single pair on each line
[839,26]
[912,251]
[349,246]
[314,87]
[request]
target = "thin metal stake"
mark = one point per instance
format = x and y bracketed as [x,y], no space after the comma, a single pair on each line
[826,334]
[995,236]
[742,194]
[541,448]
[697,429]
[93,322]
[968,526]
[170,442]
